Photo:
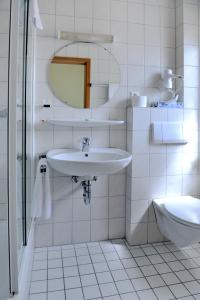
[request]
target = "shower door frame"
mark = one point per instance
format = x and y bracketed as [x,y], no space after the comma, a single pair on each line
[12,147]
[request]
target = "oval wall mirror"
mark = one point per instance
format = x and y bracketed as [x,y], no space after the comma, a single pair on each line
[84,75]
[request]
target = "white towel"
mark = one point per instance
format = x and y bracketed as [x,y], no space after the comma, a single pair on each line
[42,192]
[36,15]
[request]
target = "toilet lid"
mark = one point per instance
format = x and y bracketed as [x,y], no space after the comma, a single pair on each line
[184,208]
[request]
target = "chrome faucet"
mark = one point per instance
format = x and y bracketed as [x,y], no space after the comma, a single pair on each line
[85,144]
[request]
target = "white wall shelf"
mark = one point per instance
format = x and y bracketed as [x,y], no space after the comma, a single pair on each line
[84,123]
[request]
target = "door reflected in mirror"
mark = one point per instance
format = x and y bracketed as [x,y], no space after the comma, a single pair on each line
[84,75]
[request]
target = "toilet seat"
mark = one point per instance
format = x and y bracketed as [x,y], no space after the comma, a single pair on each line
[178,219]
[183,209]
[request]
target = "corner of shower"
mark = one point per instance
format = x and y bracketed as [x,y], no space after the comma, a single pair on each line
[16,151]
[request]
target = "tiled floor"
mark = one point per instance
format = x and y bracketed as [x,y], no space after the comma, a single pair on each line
[112,270]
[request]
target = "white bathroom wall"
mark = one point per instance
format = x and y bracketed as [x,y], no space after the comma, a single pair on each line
[160,171]
[144,45]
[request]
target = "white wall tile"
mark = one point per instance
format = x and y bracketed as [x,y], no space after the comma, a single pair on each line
[65,7]
[81,212]
[118,10]
[83,8]
[62,233]
[158,165]
[99,208]
[152,15]
[137,234]
[117,207]
[137,46]
[136,13]
[135,34]
[81,231]
[116,228]
[44,235]
[139,211]
[99,230]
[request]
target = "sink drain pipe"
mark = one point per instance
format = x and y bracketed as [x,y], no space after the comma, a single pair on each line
[87,188]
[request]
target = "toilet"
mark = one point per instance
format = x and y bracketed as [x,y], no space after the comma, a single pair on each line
[178,219]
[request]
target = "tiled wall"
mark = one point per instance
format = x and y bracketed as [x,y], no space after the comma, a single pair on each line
[159,171]
[144,45]
[4,40]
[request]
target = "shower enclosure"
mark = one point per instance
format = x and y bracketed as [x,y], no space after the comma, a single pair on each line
[16,82]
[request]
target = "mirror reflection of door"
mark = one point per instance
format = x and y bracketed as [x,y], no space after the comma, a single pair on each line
[70,77]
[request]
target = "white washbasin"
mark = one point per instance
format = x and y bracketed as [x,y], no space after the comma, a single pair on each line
[98,161]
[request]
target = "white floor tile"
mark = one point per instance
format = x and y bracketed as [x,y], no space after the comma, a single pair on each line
[40,255]
[38,287]
[39,275]
[179,290]
[115,265]
[83,260]
[68,252]
[176,266]
[41,296]
[71,271]
[59,295]
[54,255]
[195,273]
[140,284]
[104,277]
[91,292]
[193,287]
[40,265]
[97,258]
[162,268]
[130,296]
[155,281]
[72,282]
[148,270]
[119,275]
[156,259]
[86,269]
[134,273]
[184,276]
[87,280]
[163,293]
[100,267]
[111,256]
[170,278]
[55,285]
[69,261]
[54,263]
[74,294]
[108,289]
[124,286]
[116,297]
[129,263]
[113,270]
[81,251]
[147,295]
[55,273]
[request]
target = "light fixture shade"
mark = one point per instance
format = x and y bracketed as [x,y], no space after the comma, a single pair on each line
[85,37]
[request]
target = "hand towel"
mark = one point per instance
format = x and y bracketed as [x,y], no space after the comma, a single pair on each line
[36,15]
[42,207]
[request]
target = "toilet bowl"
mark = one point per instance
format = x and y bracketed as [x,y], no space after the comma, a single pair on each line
[178,219]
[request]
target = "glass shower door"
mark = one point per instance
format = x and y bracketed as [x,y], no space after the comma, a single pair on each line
[4,73]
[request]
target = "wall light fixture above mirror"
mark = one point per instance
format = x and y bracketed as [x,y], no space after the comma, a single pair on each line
[84,75]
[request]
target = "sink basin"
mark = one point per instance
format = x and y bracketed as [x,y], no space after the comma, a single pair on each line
[98,161]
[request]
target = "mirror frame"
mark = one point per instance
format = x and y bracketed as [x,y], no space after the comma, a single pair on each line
[89,84]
